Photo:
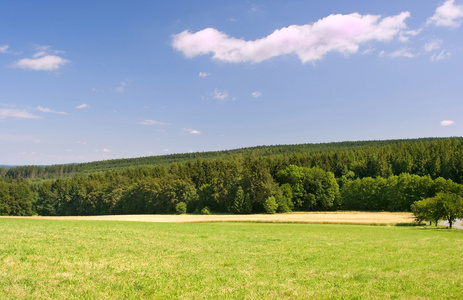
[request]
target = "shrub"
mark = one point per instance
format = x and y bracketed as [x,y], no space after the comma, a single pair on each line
[270,205]
[180,208]
[205,211]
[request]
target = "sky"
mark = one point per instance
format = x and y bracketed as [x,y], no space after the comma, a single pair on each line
[95,80]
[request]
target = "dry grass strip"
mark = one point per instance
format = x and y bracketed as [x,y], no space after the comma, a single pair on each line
[349,217]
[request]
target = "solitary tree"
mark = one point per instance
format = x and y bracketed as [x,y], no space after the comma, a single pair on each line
[448,206]
[452,207]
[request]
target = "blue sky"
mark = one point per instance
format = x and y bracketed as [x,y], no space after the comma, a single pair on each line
[93,80]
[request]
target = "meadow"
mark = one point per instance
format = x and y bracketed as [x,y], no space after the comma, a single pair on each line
[43,259]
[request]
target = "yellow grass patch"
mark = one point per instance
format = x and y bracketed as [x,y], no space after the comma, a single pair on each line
[381,218]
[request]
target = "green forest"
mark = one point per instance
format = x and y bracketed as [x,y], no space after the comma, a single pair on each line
[387,175]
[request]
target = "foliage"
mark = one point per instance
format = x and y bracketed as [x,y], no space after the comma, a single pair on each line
[180,208]
[270,205]
[447,206]
[370,176]
[205,211]
[311,188]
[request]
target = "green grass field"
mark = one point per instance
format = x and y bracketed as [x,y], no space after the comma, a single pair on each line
[42,259]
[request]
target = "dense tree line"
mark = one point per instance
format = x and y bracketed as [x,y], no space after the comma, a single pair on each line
[436,157]
[233,186]
[371,176]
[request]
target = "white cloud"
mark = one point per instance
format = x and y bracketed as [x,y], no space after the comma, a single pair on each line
[257,94]
[203,74]
[335,33]
[441,55]
[16,113]
[83,105]
[404,52]
[165,150]
[432,45]
[222,96]
[448,14]
[48,110]
[121,87]
[151,122]
[406,35]
[192,131]
[106,150]
[447,122]
[44,63]
[4,49]
[44,59]
[368,51]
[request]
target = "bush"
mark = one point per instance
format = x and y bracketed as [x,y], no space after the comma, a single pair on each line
[205,211]
[180,208]
[270,205]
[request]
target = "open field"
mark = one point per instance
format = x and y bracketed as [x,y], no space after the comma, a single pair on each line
[42,259]
[380,218]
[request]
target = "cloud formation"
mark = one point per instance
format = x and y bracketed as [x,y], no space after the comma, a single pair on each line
[16,113]
[310,42]
[203,74]
[121,87]
[83,105]
[448,14]
[48,110]
[447,122]
[43,60]
[257,94]
[192,131]
[403,52]
[151,122]
[432,45]
[4,49]
[441,55]
[221,95]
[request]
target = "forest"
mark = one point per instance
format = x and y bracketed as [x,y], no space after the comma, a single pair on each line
[369,176]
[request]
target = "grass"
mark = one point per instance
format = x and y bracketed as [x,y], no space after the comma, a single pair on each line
[42,259]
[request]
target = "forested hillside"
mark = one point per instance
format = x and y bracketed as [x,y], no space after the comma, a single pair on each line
[373,175]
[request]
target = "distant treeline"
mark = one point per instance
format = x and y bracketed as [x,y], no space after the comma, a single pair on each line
[376,176]
[437,157]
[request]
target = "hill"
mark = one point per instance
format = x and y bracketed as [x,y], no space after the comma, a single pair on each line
[332,150]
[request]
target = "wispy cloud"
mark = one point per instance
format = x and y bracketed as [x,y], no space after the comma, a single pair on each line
[448,14]
[221,95]
[441,55]
[203,74]
[404,52]
[44,59]
[432,45]
[4,49]
[83,105]
[151,122]
[405,35]
[192,131]
[16,113]
[447,122]
[310,42]
[48,110]
[257,94]
[121,87]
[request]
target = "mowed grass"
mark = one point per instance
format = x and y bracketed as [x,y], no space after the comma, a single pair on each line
[43,259]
